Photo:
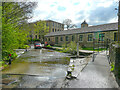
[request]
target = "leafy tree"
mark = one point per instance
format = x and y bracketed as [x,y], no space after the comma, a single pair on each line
[14,24]
[68,24]
[71,47]
[39,28]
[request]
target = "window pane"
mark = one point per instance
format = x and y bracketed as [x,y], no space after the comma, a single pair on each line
[101,37]
[53,30]
[115,36]
[90,37]
[61,38]
[80,37]
[72,38]
[36,36]
[66,38]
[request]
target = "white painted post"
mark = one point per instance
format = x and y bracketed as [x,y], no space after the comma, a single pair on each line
[78,49]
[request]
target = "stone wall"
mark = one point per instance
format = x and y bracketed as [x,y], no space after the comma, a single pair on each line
[114,54]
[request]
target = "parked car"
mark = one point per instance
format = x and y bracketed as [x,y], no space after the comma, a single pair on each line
[37,45]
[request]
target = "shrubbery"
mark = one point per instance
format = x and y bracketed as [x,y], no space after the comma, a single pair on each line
[71,47]
[24,47]
[48,46]
[6,55]
[34,40]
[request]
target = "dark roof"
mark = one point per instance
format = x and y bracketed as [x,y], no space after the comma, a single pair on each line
[84,22]
[97,28]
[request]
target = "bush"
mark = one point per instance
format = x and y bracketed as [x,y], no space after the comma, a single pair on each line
[112,66]
[24,47]
[71,47]
[33,40]
[5,55]
[49,46]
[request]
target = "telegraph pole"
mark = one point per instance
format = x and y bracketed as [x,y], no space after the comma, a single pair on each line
[119,23]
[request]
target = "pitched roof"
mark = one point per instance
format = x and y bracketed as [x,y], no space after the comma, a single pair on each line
[96,28]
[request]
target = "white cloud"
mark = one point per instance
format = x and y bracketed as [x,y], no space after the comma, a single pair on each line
[48,9]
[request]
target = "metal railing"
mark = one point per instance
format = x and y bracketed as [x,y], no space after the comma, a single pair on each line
[105,45]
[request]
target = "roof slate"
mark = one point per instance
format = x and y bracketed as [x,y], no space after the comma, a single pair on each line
[97,28]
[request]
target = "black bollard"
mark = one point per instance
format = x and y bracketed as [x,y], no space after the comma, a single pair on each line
[69,73]
[9,61]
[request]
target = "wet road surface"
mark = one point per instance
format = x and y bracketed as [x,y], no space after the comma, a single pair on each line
[37,68]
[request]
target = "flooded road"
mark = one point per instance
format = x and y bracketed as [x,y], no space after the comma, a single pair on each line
[37,68]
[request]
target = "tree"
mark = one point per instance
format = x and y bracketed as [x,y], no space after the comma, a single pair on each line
[41,29]
[14,21]
[68,23]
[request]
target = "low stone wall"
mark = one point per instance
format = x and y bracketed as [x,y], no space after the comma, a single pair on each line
[114,53]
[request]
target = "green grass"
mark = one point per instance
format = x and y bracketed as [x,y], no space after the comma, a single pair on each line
[96,49]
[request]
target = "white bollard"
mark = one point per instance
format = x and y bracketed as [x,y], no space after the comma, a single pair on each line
[78,49]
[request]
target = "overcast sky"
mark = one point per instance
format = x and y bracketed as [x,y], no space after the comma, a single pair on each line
[95,12]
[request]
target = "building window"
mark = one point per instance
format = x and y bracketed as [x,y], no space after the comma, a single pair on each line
[36,36]
[73,37]
[115,36]
[56,40]
[53,24]
[53,30]
[90,37]
[31,36]
[48,39]
[81,38]
[61,38]
[101,37]
[66,38]
[46,24]
[45,39]
[62,26]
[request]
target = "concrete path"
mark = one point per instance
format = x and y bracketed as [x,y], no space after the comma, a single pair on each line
[95,75]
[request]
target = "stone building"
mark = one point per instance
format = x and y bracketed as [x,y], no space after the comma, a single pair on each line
[54,26]
[51,25]
[84,35]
